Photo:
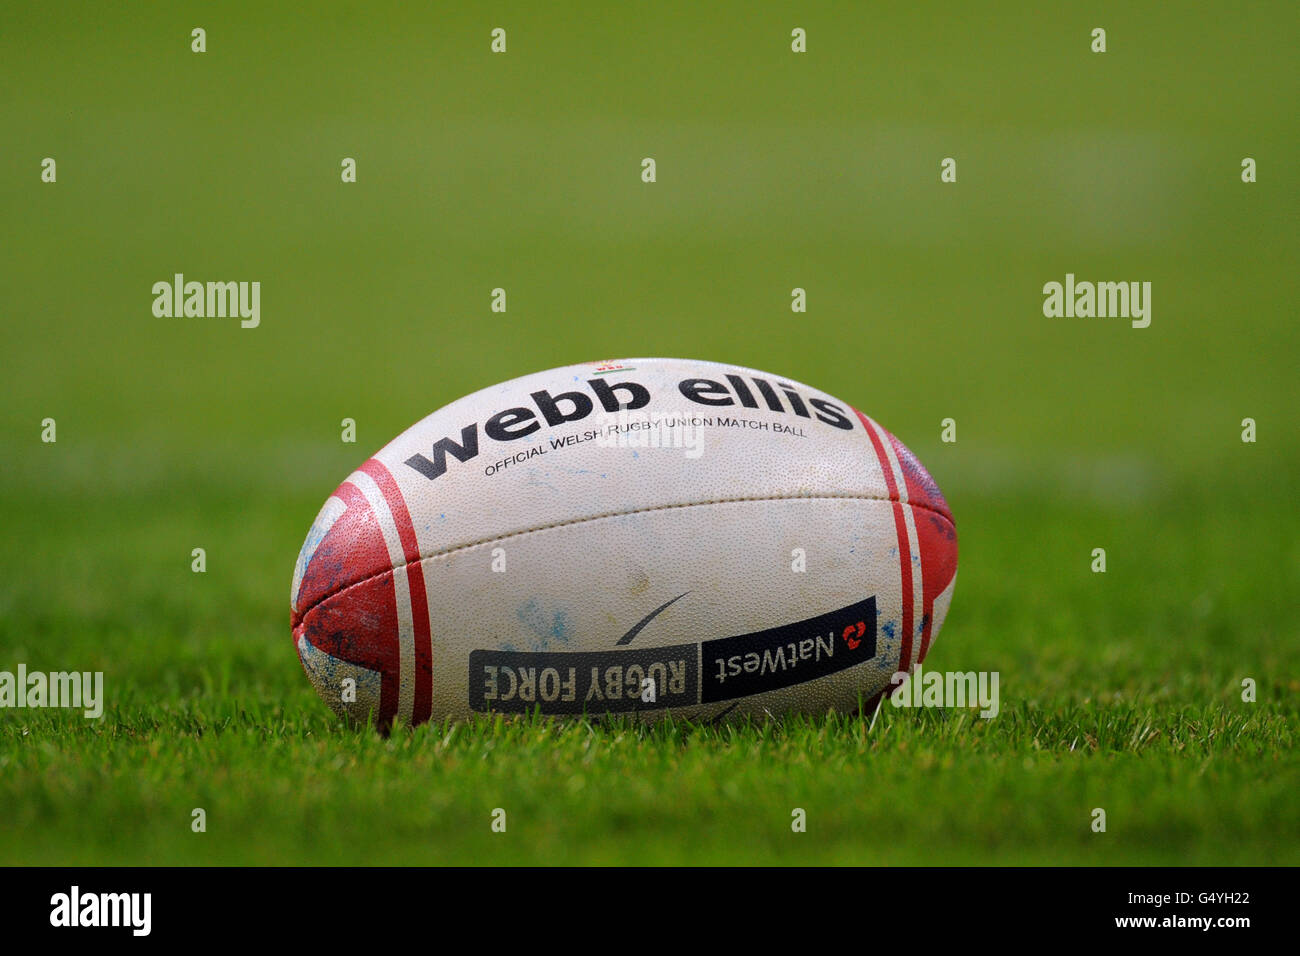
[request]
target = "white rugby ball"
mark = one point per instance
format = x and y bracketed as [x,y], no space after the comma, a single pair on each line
[644,536]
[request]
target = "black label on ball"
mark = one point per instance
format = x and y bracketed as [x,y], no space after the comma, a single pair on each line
[790,654]
[570,682]
[654,678]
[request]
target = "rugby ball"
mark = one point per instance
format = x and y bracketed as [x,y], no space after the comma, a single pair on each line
[648,536]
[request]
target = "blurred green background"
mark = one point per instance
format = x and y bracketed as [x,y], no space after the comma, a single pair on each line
[775,171]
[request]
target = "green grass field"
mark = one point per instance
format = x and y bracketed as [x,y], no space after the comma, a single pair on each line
[1120,691]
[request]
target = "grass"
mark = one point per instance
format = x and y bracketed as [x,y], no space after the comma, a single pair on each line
[1120,690]
[279,784]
